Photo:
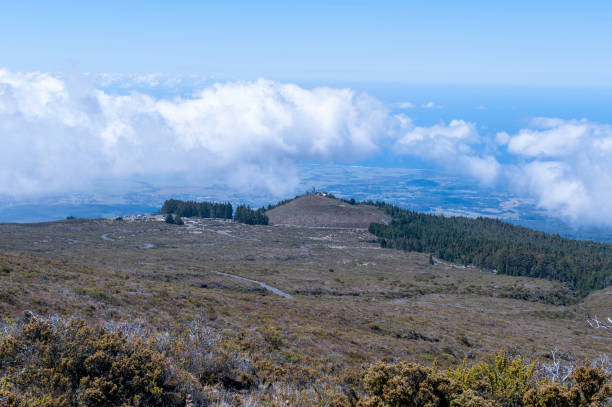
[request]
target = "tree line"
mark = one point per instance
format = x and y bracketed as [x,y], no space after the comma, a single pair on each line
[188,209]
[176,209]
[495,245]
[245,214]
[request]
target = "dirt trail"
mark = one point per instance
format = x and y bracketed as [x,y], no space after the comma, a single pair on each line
[264,285]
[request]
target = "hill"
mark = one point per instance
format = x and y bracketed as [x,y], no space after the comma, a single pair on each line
[313,210]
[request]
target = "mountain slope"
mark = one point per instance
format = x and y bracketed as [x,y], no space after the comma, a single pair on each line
[314,210]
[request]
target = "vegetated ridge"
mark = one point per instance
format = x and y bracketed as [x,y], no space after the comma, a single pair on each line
[500,246]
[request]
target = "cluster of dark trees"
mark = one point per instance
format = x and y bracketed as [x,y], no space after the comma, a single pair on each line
[174,219]
[176,209]
[500,246]
[245,214]
[188,209]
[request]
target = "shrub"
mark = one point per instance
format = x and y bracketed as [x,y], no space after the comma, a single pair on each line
[496,381]
[497,377]
[211,359]
[405,384]
[470,398]
[50,362]
[587,387]
[69,363]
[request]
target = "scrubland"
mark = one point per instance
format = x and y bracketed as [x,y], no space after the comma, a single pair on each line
[356,310]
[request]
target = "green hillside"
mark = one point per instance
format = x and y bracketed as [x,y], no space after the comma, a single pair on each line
[500,246]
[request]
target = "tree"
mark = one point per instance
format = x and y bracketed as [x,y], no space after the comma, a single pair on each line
[200,209]
[245,214]
[495,245]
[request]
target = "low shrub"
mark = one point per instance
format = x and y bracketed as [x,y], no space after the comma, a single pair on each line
[53,362]
[405,384]
[496,381]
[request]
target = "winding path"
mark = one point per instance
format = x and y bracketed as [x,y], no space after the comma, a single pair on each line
[264,285]
[105,237]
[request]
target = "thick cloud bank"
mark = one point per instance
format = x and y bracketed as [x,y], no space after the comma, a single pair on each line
[61,134]
[567,166]
[450,145]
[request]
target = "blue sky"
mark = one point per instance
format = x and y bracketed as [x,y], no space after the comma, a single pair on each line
[477,42]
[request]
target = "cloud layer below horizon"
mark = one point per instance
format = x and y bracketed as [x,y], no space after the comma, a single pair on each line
[60,134]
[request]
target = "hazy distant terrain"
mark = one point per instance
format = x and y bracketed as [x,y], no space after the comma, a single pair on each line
[420,190]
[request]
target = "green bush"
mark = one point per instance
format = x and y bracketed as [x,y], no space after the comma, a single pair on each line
[405,384]
[495,381]
[497,377]
[588,387]
[69,363]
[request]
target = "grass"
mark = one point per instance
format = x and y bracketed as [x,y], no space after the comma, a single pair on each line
[377,305]
[418,311]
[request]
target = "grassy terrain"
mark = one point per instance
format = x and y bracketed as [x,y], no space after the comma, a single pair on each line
[351,298]
[353,303]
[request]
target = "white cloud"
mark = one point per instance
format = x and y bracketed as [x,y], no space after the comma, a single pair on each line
[486,169]
[449,145]
[60,135]
[554,137]
[405,105]
[502,138]
[567,166]
[556,188]
[430,105]
[437,141]
[150,81]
